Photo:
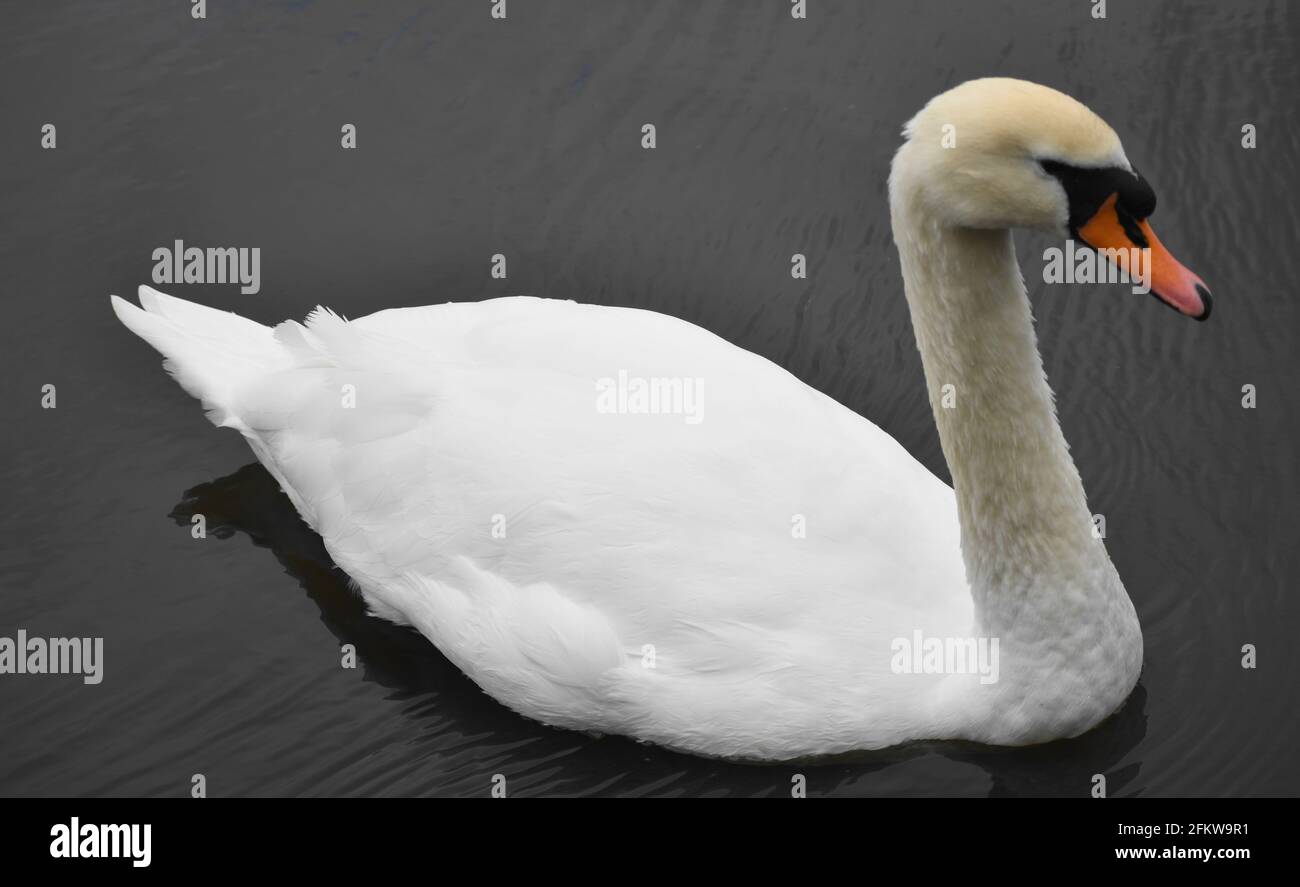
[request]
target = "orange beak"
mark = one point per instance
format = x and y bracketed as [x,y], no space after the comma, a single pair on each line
[1115,235]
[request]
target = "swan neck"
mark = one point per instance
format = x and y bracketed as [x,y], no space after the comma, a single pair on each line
[1025,524]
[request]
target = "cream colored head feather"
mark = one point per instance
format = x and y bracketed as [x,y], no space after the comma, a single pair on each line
[980,143]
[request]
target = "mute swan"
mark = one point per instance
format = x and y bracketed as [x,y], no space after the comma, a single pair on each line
[742,579]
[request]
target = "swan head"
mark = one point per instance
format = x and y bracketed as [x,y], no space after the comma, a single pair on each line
[1002,153]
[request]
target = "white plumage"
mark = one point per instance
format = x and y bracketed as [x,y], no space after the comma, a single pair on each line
[620,530]
[646,575]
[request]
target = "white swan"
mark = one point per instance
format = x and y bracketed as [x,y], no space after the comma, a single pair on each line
[741,585]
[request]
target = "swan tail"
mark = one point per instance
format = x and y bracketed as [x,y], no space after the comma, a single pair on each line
[210,353]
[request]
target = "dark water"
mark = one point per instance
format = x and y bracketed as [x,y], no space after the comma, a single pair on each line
[522,137]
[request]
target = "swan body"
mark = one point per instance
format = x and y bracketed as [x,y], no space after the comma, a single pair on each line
[732,581]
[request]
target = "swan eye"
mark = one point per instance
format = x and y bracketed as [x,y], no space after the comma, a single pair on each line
[1138,197]
[1087,188]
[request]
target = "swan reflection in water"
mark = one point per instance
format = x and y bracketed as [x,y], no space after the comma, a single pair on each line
[401,660]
